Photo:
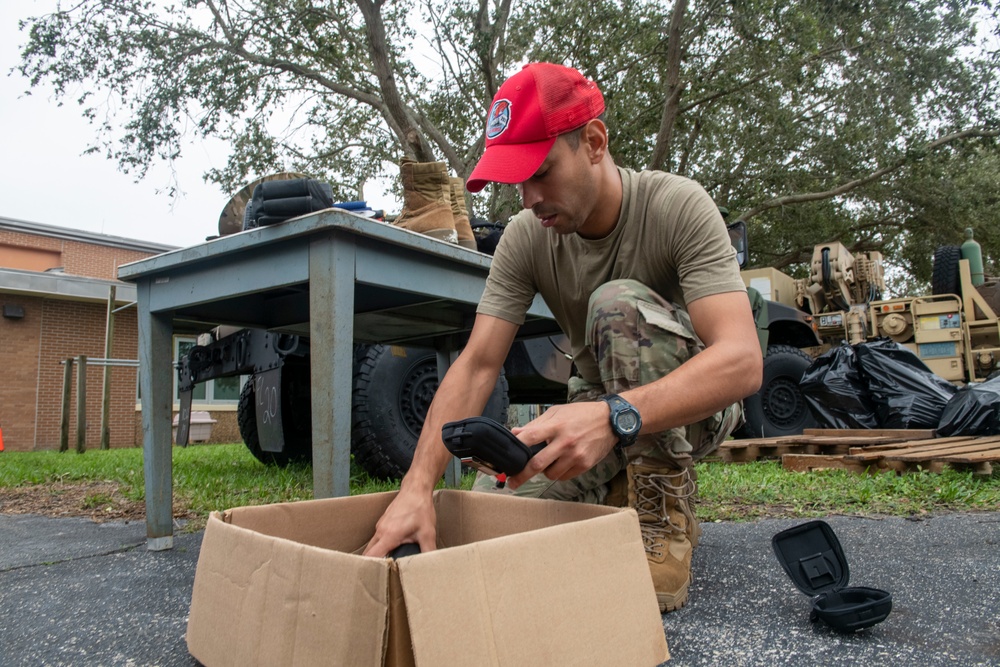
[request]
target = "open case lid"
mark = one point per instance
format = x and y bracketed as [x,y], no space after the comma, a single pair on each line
[812,556]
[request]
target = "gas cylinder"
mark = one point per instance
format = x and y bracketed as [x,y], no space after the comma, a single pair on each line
[972,251]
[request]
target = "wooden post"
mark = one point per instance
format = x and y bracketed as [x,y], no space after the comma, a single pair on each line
[81,404]
[109,332]
[64,421]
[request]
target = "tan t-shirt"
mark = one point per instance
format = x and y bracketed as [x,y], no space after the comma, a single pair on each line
[670,237]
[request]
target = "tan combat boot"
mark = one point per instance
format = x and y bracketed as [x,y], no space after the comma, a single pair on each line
[694,526]
[661,496]
[461,214]
[427,200]
[617,491]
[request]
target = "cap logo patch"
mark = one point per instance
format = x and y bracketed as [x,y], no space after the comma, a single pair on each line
[498,119]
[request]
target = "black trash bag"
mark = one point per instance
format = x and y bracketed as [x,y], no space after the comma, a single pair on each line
[905,393]
[973,410]
[835,392]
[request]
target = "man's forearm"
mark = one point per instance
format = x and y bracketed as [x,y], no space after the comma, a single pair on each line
[463,393]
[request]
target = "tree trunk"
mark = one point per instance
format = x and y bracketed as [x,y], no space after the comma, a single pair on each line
[394,110]
[674,88]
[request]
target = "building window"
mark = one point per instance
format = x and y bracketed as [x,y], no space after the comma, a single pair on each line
[29,259]
[222,391]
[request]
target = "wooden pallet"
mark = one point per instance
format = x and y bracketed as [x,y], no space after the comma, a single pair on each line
[975,453]
[816,441]
[875,450]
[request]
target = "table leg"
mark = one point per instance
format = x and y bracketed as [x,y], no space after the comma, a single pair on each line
[453,473]
[156,388]
[331,344]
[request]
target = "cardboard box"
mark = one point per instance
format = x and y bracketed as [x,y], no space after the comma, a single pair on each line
[514,582]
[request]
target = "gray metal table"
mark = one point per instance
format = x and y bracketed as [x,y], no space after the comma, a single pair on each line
[332,276]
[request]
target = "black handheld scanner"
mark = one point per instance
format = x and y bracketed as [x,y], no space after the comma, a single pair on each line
[487,446]
[404,550]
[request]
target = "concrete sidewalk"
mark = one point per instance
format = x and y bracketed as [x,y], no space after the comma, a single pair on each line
[73,592]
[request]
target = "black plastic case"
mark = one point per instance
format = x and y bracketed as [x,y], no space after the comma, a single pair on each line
[487,445]
[812,556]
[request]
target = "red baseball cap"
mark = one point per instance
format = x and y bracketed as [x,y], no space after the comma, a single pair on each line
[530,110]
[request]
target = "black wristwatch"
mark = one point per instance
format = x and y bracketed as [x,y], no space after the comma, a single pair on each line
[625,419]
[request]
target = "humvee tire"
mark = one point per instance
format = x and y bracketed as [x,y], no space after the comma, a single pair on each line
[393,387]
[945,278]
[779,408]
[296,416]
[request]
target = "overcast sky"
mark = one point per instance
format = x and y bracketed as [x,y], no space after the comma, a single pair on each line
[44,176]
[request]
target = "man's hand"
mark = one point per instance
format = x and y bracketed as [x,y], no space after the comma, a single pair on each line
[579,435]
[463,391]
[409,518]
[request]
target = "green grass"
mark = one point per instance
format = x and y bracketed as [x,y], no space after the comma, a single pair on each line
[206,478]
[216,477]
[764,488]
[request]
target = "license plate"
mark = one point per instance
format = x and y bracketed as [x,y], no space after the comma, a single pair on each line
[929,350]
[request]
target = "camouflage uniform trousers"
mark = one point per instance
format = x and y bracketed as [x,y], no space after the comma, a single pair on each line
[637,338]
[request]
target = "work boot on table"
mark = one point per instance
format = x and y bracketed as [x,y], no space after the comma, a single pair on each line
[461,215]
[427,200]
[662,498]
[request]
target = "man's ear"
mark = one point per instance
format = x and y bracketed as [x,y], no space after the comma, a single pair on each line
[595,138]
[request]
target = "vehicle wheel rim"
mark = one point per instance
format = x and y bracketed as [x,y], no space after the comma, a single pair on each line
[416,395]
[782,403]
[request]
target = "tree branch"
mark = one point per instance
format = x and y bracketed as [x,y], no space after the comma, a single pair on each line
[394,110]
[874,176]
[674,88]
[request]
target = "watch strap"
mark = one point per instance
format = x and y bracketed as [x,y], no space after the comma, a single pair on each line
[618,405]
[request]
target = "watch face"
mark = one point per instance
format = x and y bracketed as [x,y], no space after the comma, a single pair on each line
[628,421]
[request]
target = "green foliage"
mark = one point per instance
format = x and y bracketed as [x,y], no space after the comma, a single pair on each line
[95,500]
[874,123]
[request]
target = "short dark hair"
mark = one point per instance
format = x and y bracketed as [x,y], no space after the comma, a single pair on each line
[573,136]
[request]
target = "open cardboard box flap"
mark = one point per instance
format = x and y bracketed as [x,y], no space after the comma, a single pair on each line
[517,582]
[261,600]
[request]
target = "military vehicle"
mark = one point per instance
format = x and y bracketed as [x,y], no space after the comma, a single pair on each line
[954,330]
[787,336]
[393,385]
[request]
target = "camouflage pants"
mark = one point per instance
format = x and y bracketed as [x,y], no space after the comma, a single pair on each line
[637,338]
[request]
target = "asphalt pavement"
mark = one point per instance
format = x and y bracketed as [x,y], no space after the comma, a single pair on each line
[73,592]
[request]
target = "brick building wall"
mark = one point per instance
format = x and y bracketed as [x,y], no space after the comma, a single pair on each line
[31,391]
[59,278]
[71,329]
[76,258]
[19,344]
[31,394]
[225,429]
